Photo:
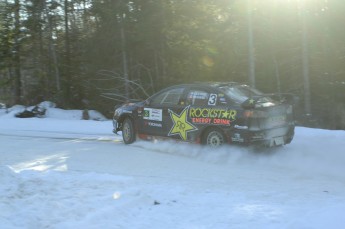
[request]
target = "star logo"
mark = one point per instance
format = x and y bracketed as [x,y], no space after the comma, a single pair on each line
[251,101]
[181,125]
[226,114]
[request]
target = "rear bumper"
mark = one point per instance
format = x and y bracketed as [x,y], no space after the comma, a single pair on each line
[273,137]
[266,138]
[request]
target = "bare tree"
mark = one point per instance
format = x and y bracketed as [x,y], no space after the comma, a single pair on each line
[124,54]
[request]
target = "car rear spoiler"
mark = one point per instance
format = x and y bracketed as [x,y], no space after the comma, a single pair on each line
[286,98]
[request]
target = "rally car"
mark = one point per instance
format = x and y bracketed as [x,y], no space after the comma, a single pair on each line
[209,113]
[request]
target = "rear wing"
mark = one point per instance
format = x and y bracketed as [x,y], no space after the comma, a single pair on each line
[285,98]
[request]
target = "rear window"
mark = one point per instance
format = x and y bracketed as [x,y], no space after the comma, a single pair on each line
[240,93]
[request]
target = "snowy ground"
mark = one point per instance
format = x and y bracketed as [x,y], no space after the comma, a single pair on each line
[61,172]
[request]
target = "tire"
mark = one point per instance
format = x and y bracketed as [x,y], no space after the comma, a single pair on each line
[213,138]
[128,131]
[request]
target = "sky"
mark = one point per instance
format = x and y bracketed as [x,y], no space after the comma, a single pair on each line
[63,172]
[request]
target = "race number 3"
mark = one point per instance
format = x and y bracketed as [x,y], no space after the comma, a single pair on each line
[212,100]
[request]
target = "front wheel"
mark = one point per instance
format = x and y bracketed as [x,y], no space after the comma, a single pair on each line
[213,138]
[128,131]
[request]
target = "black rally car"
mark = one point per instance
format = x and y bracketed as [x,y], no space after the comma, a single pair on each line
[210,114]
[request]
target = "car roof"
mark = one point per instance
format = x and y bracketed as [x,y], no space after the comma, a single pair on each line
[210,84]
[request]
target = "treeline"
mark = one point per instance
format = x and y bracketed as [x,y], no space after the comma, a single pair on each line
[93,54]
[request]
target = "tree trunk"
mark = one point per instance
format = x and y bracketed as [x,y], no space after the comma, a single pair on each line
[251,57]
[17,63]
[277,74]
[66,82]
[305,63]
[53,54]
[124,57]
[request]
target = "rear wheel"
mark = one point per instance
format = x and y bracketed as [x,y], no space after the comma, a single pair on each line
[213,137]
[128,131]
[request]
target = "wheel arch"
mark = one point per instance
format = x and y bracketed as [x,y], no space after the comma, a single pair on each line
[122,118]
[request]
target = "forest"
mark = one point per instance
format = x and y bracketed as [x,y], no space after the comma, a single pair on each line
[95,54]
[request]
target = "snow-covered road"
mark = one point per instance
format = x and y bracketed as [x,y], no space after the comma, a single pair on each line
[76,174]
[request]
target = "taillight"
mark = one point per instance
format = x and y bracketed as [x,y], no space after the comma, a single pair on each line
[255,114]
[289,109]
[248,114]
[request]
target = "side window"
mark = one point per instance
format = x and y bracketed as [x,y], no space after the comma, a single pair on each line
[171,97]
[197,98]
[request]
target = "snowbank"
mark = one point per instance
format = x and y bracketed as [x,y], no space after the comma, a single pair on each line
[60,172]
[52,112]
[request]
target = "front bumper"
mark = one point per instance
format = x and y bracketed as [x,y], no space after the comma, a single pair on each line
[115,126]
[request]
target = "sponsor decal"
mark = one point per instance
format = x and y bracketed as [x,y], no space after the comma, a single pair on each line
[153,114]
[212,116]
[154,124]
[237,138]
[212,100]
[222,98]
[181,126]
[241,127]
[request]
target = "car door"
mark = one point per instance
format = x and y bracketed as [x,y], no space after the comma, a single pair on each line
[156,118]
[210,108]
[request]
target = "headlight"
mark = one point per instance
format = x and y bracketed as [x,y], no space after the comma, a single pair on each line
[118,112]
